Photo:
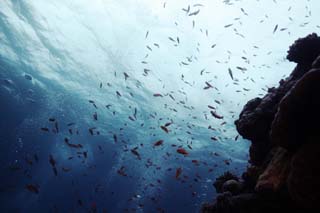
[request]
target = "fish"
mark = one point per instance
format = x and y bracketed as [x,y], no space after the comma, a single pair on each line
[171,39]
[213,138]
[194,13]
[121,171]
[53,164]
[182,151]
[45,129]
[115,138]
[208,85]
[66,169]
[77,146]
[275,29]
[164,129]
[149,48]
[230,73]
[32,188]
[186,10]
[147,34]
[178,172]
[95,116]
[214,114]
[135,152]
[157,95]
[228,25]
[126,76]
[158,143]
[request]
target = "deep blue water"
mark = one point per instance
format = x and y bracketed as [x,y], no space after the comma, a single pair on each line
[85,87]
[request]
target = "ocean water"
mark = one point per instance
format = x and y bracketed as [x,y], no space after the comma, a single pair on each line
[129,105]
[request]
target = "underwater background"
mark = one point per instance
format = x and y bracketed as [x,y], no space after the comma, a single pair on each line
[129,105]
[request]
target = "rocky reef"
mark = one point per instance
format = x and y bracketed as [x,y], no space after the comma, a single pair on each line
[284,130]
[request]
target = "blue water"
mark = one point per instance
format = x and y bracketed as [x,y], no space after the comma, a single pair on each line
[105,74]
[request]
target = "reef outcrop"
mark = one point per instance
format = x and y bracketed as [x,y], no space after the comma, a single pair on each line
[284,130]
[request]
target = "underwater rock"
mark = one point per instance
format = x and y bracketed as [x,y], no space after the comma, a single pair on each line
[284,131]
[218,184]
[316,63]
[305,50]
[303,180]
[275,175]
[232,186]
[298,116]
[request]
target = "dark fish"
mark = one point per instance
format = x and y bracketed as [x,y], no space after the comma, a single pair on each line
[275,29]
[45,129]
[228,25]
[194,13]
[158,143]
[115,138]
[77,146]
[157,95]
[214,114]
[164,129]
[95,116]
[230,73]
[53,164]
[126,76]
[32,188]
[208,85]
[135,152]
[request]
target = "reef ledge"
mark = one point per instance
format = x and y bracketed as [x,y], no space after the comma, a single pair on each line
[284,130]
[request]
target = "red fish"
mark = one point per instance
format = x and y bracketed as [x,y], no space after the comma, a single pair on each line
[178,172]
[157,95]
[32,188]
[182,151]
[158,143]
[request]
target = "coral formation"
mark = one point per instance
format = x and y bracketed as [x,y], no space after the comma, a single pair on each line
[284,131]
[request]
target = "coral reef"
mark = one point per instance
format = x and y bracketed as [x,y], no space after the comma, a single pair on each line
[284,131]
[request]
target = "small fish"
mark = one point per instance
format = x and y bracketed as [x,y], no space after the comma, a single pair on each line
[275,29]
[135,152]
[230,73]
[32,188]
[126,76]
[45,129]
[157,95]
[194,13]
[182,151]
[158,143]
[115,138]
[208,85]
[95,116]
[147,34]
[178,172]
[164,129]
[228,25]
[214,114]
